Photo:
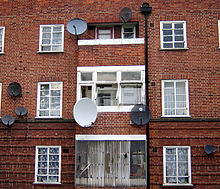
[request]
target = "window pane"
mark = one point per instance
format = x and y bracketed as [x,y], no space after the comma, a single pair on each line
[183,180]
[55,92]
[46,48]
[166,26]
[167,32]
[56,48]
[86,91]
[178,32]
[167,45]
[55,86]
[46,29]
[127,76]
[46,41]
[42,151]
[57,28]
[86,76]
[171,180]
[128,35]
[44,113]
[167,38]
[130,95]
[179,45]
[42,157]
[179,25]
[42,171]
[41,179]
[55,113]
[46,35]
[179,38]
[106,76]
[53,179]
[106,95]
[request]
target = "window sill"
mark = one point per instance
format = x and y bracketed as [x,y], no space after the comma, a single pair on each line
[111,41]
[173,49]
[48,118]
[177,185]
[186,116]
[44,52]
[114,108]
[40,183]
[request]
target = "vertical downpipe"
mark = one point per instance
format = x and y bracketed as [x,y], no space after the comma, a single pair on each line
[146,10]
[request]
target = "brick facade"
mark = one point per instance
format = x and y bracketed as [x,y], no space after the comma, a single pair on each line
[21,62]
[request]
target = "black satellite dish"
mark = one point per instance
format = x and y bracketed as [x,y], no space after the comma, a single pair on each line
[8,120]
[209,149]
[76,26]
[125,14]
[140,114]
[21,111]
[14,89]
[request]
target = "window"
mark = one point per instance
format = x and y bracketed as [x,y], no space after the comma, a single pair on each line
[49,100]
[112,88]
[51,38]
[128,32]
[105,33]
[173,34]
[2,35]
[48,164]
[175,98]
[177,165]
[115,161]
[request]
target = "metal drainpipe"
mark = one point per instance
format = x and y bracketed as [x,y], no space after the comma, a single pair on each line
[146,10]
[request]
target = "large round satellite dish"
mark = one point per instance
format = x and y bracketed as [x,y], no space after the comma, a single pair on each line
[8,120]
[140,114]
[85,112]
[76,26]
[14,89]
[125,14]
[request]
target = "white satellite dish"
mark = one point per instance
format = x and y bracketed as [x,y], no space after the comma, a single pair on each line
[85,112]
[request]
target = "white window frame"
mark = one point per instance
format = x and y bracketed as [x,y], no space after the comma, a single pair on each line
[184,34]
[36,165]
[40,38]
[219,32]
[128,26]
[187,98]
[105,138]
[38,99]
[118,70]
[0,96]
[189,166]
[3,39]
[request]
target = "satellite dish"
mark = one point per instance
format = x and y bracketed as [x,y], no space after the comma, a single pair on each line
[140,114]
[14,89]
[85,112]
[21,111]
[76,26]
[209,149]
[125,14]
[8,120]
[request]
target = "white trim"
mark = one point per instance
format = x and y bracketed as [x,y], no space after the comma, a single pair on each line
[111,41]
[3,39]
[110,137]
[40,38]
[0,96]
[184,34]
[219,32]
[36,165]
[38,99]
[187,97]
[189,166]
